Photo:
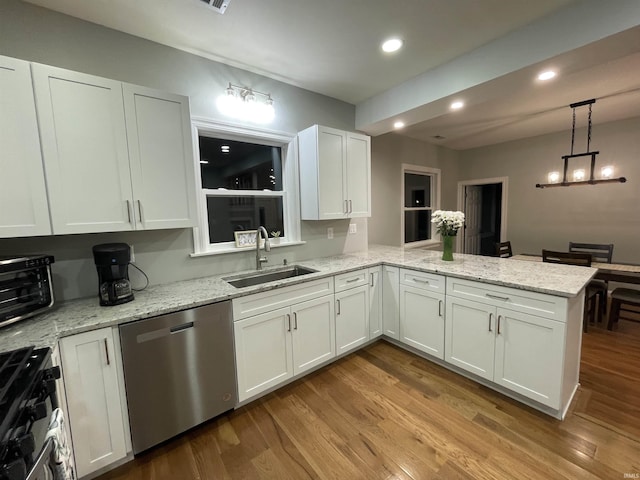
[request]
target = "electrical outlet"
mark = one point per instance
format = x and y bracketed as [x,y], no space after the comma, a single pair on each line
[353,228]
[330,233]
[133,257]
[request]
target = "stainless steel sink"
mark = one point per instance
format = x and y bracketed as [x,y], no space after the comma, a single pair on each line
[258,278]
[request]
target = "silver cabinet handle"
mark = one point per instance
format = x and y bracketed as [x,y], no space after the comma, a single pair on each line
[496,297]
[499,318]
[129,211]
[338,307]
[353,280]
[140,210]
[372,280]
[350,206]
[289,321]
[295,320]
[420,280]
[346,206]
[490,317]
[439,308]
[106,351]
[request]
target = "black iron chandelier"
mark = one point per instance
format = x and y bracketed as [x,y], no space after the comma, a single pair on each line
[579,175]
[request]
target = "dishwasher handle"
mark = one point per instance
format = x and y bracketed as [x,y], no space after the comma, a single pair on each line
[180,328]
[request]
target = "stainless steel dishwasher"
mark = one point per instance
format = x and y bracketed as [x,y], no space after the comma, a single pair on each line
[179,371]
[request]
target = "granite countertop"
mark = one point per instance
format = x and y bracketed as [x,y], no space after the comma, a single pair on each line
[86,314]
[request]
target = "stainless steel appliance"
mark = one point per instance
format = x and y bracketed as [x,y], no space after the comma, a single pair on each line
[26,288]
[179,371]
[112,262]
[27,401]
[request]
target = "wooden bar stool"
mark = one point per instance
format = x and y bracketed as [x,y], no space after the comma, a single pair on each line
[503,249]
[621,300]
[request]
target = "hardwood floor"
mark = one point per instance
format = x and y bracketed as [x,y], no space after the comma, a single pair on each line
[383,413]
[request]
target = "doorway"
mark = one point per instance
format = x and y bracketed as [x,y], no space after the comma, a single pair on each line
[484,205]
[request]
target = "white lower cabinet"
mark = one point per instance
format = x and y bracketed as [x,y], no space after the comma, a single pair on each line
[422,314]
[391,301]
[375,302]
[274,346]
[94,396]
[352,310]
[522,352]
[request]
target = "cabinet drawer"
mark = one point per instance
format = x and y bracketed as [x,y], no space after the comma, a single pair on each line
[519,300]
[345,281]
[422,280]
[262,302]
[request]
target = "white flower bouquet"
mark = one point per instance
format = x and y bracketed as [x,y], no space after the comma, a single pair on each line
[447,222]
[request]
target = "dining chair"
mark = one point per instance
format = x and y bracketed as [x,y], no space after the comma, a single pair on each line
[503,249]
[592,294]
[601,253]
[621,301]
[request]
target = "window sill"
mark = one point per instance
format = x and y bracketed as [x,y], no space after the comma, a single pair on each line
[226,250]
[423,244]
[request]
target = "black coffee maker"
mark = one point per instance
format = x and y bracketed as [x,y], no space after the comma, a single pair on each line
[112,262]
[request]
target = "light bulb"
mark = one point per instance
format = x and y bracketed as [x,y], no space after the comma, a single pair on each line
[553,177]
[578,175]
[457,105]
[398,125]
[392,45]
[606,172]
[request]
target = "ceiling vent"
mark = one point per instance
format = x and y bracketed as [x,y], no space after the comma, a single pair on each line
[219,6]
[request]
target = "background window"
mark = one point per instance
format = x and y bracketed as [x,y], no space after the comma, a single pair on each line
[421,186]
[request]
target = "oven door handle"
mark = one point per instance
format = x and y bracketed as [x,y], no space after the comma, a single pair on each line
[42,460]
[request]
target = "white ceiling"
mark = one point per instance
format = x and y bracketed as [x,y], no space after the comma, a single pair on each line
[333,47]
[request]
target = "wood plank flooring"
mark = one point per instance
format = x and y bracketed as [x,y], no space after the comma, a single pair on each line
[383,413]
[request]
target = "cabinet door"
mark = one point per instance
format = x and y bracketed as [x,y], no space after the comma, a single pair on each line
[391,301]
[84,145]
[331,173]
[470,336]
[422,320]
[358,175]
[91,381]
[161,156]
[352,318]
[375,302]
[529,356]
[313,332]
[23,195]
[263,351]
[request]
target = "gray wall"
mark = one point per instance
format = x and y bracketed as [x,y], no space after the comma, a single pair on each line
[388,153]
[550,218]
[39,35]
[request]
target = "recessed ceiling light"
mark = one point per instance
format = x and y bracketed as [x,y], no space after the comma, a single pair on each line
[225,148]
[398,124]
[457,105]
[547,75]
[392,45]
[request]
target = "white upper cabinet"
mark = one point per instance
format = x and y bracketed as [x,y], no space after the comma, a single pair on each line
[84,144]
[335,174]
[23,197]
[160,152]
[117,157]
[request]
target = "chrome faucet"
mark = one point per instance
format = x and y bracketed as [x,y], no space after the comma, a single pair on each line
[260,260]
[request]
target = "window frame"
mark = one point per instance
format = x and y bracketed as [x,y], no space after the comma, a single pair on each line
[435,174]
[289,193]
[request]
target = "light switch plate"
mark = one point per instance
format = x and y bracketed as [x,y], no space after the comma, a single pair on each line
[353,228]
[330,233]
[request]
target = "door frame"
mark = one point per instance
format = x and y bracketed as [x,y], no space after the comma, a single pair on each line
[503,217]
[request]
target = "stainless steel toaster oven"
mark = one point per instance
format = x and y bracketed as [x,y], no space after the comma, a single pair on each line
[26,288]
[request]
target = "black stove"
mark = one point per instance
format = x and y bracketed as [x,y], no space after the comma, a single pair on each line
[27,399]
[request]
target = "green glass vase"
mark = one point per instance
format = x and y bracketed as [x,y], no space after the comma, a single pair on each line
[447,247]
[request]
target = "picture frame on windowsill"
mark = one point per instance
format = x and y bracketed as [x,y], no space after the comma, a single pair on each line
[247,239]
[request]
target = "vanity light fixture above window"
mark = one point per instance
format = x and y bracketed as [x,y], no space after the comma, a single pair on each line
[247,104]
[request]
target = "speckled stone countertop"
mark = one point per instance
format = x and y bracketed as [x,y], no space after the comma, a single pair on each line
[86,314]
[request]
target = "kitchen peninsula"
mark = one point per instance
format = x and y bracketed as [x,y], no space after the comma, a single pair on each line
[513,326]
